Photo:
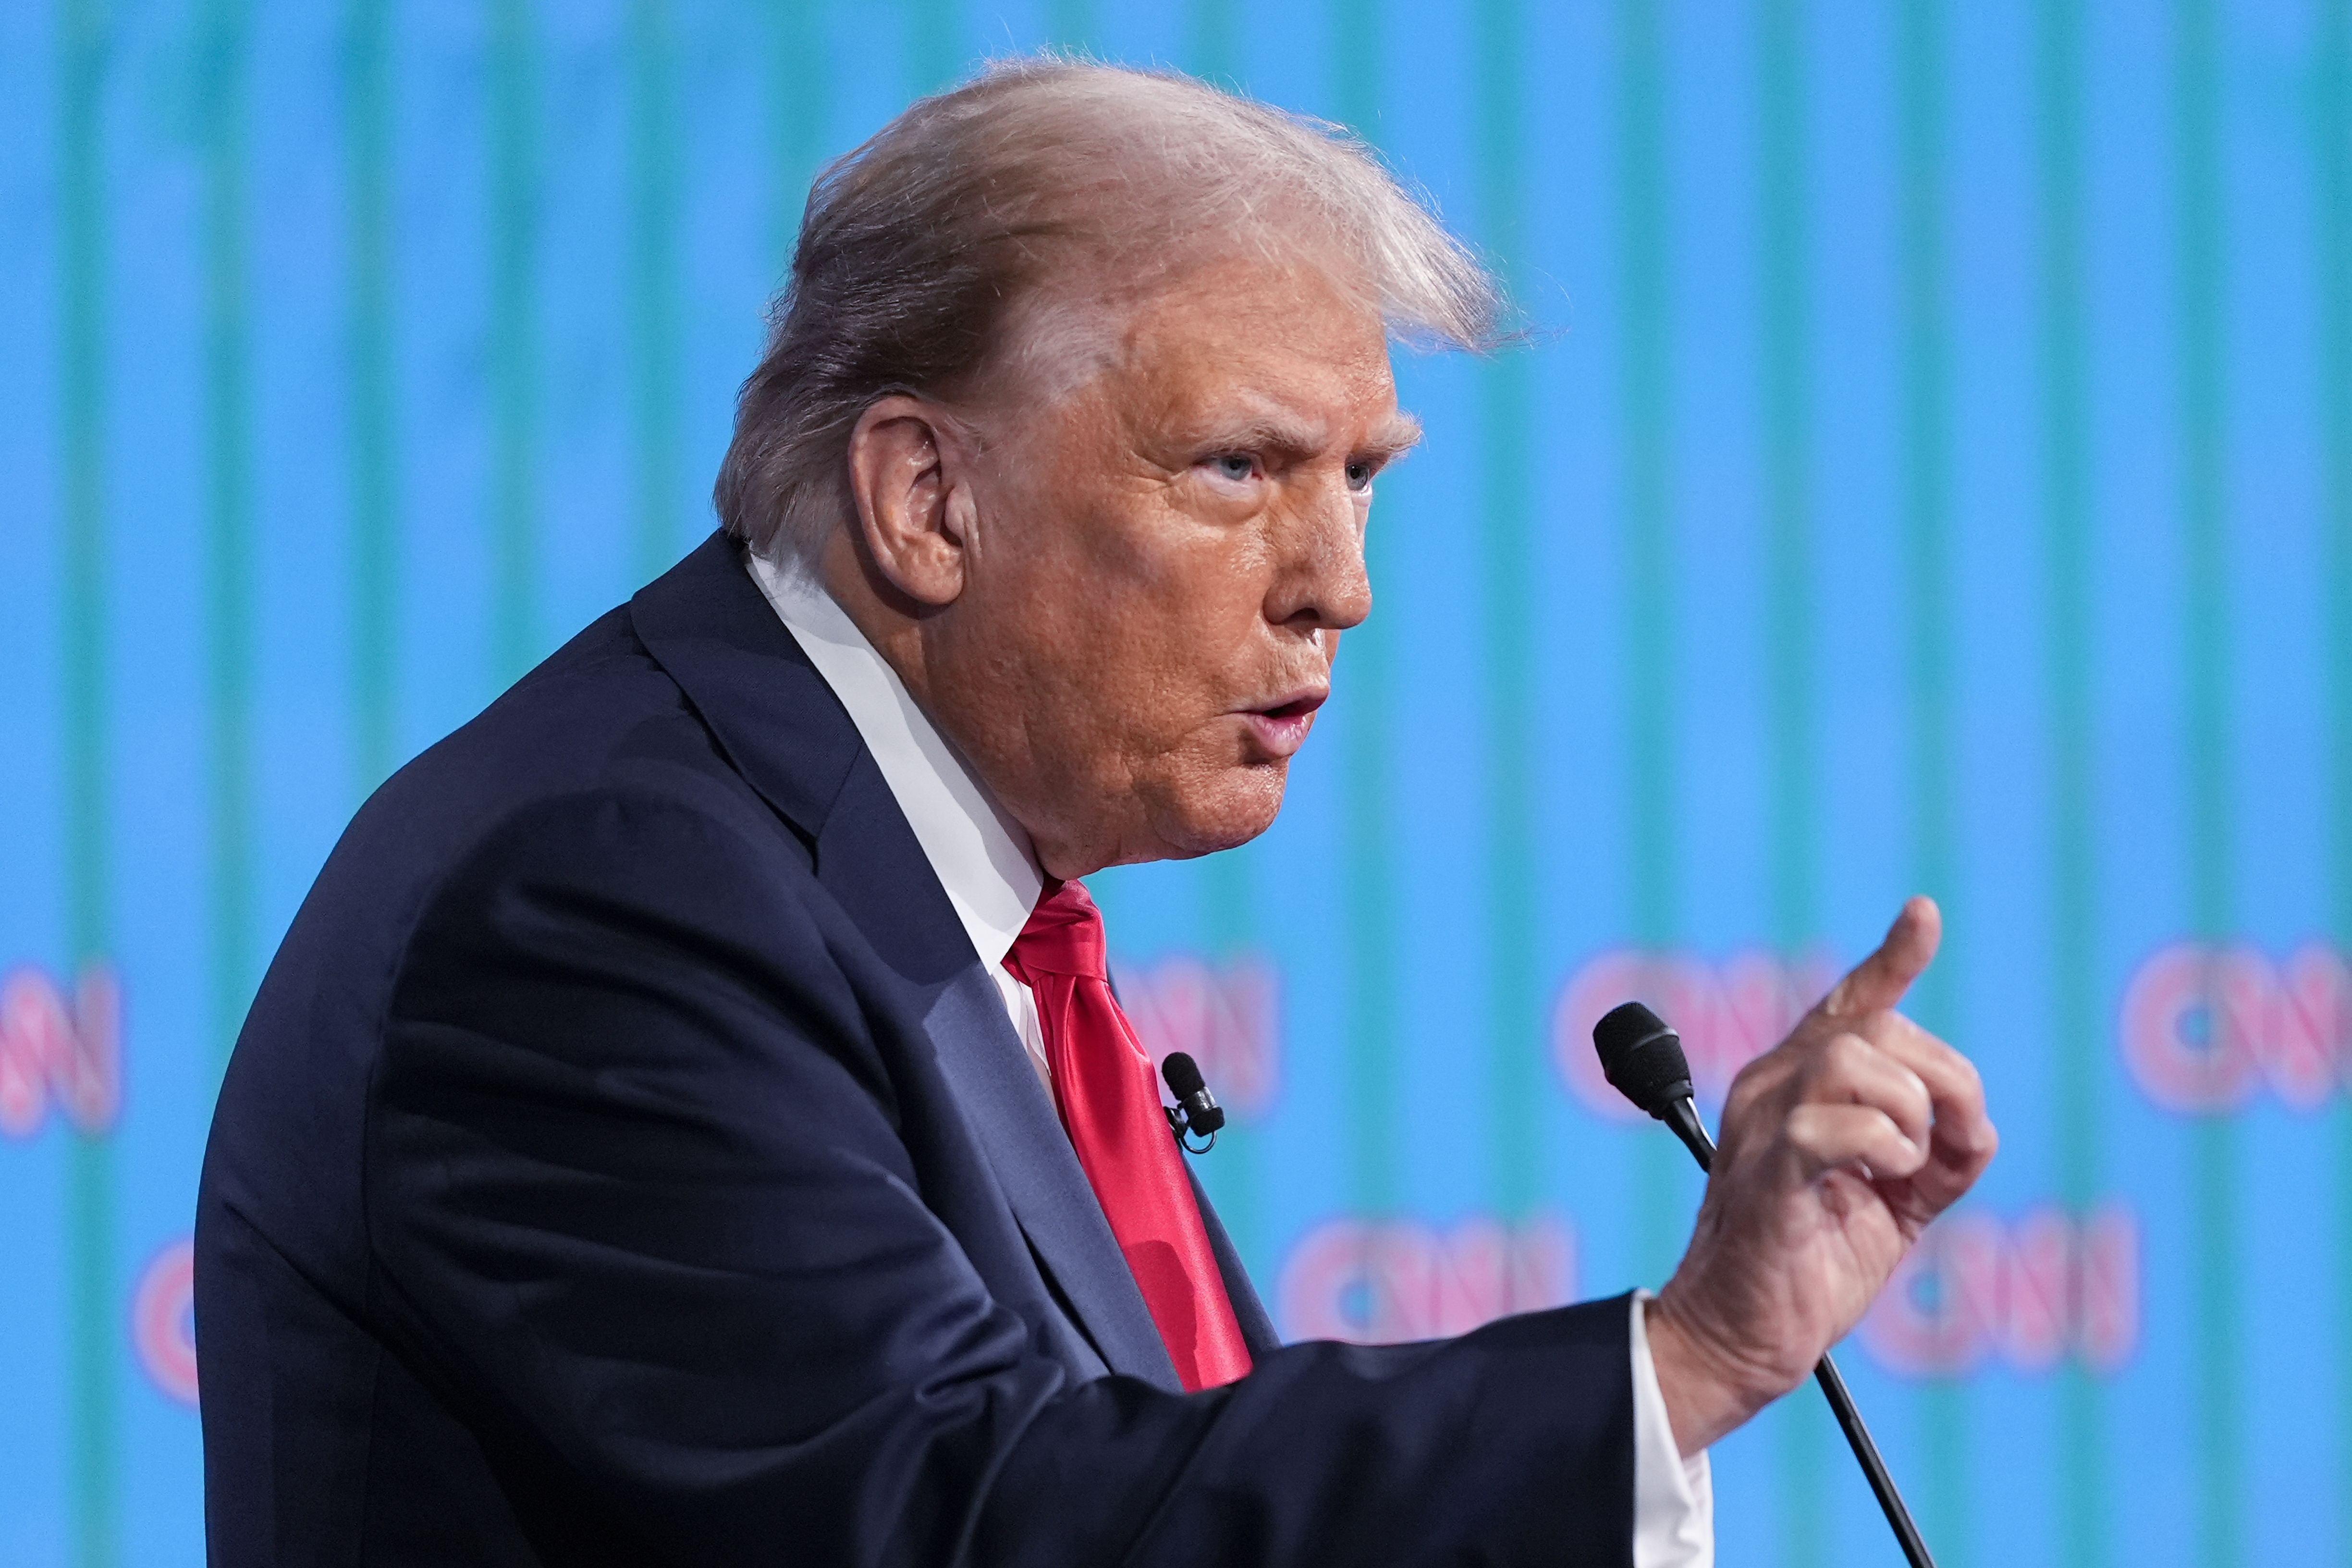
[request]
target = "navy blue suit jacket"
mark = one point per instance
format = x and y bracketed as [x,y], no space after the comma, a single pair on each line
[627,1159]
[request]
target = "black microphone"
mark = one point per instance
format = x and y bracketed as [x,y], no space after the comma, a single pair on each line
[1643,1059]
[1196,1110]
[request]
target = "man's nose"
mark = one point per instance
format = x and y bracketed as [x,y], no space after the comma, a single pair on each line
[1323,585]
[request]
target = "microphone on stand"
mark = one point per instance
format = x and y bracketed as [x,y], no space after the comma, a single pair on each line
[1642,1058]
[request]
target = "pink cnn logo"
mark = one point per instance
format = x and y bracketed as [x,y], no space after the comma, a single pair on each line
[1727,1015]
[2206,1029]
[1384,1282]
[1226,1019]
[54,1054]
[2030,1294]
[163,1320]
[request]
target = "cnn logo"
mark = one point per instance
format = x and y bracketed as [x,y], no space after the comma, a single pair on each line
[1225,1017]
[163,1320]
[60,1055]
[2029,1294]
[2205,1028]
[1388,1282]
[1727,1015]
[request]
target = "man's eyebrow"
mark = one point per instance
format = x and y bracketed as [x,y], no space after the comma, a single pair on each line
[1395,437]
[1274,434]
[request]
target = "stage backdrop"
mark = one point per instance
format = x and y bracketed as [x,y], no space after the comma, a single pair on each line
[1928,467]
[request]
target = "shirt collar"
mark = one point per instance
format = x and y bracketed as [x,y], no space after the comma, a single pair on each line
[982,857]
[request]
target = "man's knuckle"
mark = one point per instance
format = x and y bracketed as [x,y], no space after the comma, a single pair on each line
[1957,1080]
[1845,1056]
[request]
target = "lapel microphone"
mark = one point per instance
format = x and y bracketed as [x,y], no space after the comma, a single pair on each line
[1642,1058]
[1196,1113]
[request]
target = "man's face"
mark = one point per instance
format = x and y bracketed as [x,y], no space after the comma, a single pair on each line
[1159,563]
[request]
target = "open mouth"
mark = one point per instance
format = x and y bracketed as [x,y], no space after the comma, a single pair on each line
[1281,729]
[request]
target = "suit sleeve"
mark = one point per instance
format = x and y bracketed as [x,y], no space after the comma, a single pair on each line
[639,1206]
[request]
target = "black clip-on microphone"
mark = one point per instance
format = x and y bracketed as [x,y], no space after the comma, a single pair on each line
[1644,1059]
[1196,1110]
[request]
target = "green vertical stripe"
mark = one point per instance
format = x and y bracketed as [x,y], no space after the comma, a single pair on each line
[798,108]
[652,281]
[227,514]
[367,228]
[1211,40]
[1788,455]
[1925,499]
[514,337]
[2333,163]
[1643,263]
[2213,1205]
[92,1319]
[1787,397]
[935,55]
[1070,24]
[1515,1025]
[1925,503]
[1644,259]
[2079,1034]
[1365,678]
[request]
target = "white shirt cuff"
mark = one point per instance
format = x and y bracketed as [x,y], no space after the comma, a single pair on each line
[1673,1498]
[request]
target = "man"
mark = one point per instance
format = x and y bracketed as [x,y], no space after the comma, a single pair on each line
[687,1120]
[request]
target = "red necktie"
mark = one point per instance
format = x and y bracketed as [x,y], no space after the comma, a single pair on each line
[1110,1106]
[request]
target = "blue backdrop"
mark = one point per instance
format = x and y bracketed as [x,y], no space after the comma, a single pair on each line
[1931,469]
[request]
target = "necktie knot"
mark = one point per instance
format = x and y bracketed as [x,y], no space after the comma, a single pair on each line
[1064,936]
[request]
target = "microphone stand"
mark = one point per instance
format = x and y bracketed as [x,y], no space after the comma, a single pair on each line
[1682,1116]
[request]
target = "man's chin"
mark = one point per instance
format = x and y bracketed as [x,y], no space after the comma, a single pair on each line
[1243,805]
[1179,819]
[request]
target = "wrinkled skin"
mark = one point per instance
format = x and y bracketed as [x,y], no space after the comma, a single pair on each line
[1838,1146]
[1120,600]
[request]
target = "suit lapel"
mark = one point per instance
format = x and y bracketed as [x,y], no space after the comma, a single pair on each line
[1041,1177]
[774,716]
[784,730]
[870,860]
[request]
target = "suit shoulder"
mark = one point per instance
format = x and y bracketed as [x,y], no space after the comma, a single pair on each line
[646,828]
[601,721]
[600,714]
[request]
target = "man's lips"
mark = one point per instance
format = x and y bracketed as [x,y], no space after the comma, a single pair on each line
[1281,726]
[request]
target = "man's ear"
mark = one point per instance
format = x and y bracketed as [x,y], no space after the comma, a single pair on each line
[900,454]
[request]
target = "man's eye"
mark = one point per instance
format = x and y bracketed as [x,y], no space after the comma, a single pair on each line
[1360,476]
[1235,466]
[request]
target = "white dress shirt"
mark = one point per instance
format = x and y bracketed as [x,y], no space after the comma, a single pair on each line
[984,861]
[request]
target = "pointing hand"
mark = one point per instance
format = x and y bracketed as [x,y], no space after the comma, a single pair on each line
[1836,1149]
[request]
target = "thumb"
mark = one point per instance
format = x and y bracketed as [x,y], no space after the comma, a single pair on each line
[1878,982]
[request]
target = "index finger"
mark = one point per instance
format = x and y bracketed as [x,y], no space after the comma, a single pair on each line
[1878,982]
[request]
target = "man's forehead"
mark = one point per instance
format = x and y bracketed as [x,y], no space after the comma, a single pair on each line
[1311,373]
[1293,295]
[1282,350]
